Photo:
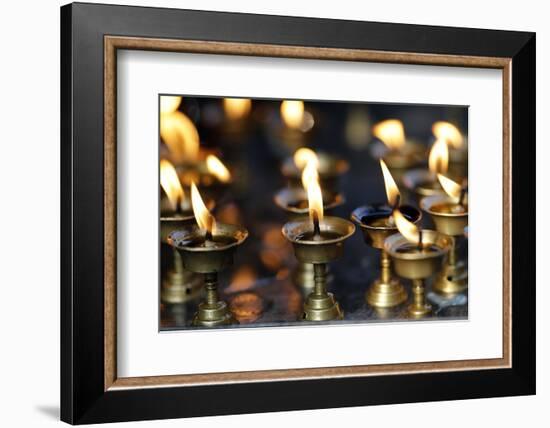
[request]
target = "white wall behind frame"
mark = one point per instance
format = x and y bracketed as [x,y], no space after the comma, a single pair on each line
[33,74]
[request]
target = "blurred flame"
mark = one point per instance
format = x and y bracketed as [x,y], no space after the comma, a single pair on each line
[392,191]
[292,112]
[169,104]
[449,133]
[180,135]
[304,155]
[406,228]
[170,183]
[391,132]
[216,167]
[451,188]
[310,180]
[438,161]
[204,219]
[237,108]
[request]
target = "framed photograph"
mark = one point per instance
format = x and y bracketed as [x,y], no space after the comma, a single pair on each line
[265,213]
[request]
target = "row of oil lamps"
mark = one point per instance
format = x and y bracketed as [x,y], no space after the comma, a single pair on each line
[202,245]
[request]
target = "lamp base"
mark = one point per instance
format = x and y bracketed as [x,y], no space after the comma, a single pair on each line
[386,294]
[452,279]
[180,287]
[213,315]
[322,307]
[419,311]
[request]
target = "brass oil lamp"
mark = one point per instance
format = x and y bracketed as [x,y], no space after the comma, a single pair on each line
[318,240]
[294,202]
[207,248]
[417,255]
[450,215]
[179,285]
[377,223]
[329,168]
[399,152]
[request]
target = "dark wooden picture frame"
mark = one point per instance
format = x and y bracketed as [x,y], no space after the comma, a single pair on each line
[90,37]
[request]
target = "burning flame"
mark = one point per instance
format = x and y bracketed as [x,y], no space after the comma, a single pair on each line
[292,112]
[216,167]
[453,189]
[449,133]
[237,108]
[310,180]
[438,161]
[205,220]
[169,104]
[392,191]
[170,183]
[406,228]
[391,132]
[309,175]
[303,156]
[180,135]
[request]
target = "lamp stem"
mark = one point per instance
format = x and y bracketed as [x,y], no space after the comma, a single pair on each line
[211,286]
[419,297]
[320,278]
[385,270]
[178,262]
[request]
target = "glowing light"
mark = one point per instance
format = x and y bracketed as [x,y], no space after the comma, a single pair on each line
[205,220]
[409,230]
[171,185]
[392,191]
[169,104]
[449,133]
[453,189]
[303,156]
[391,132]
[180,136]
[292,112]
[216,167]
[237,108]
[438,161]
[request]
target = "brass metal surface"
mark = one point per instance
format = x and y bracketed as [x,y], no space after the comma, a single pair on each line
[209,260]
[386,291]
[453,277]
[318,251]
[319,305]
[418,265]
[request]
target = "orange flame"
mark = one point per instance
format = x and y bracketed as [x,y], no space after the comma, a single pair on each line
[438,161]
[451,188]
[180,135]
[391,132]
[303,156]
[406,228]
[205,220]
[169,104]
[449,133]
[392,191]
[237,108]
[310,180]
[216,167]
[292,112]
[170,183]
